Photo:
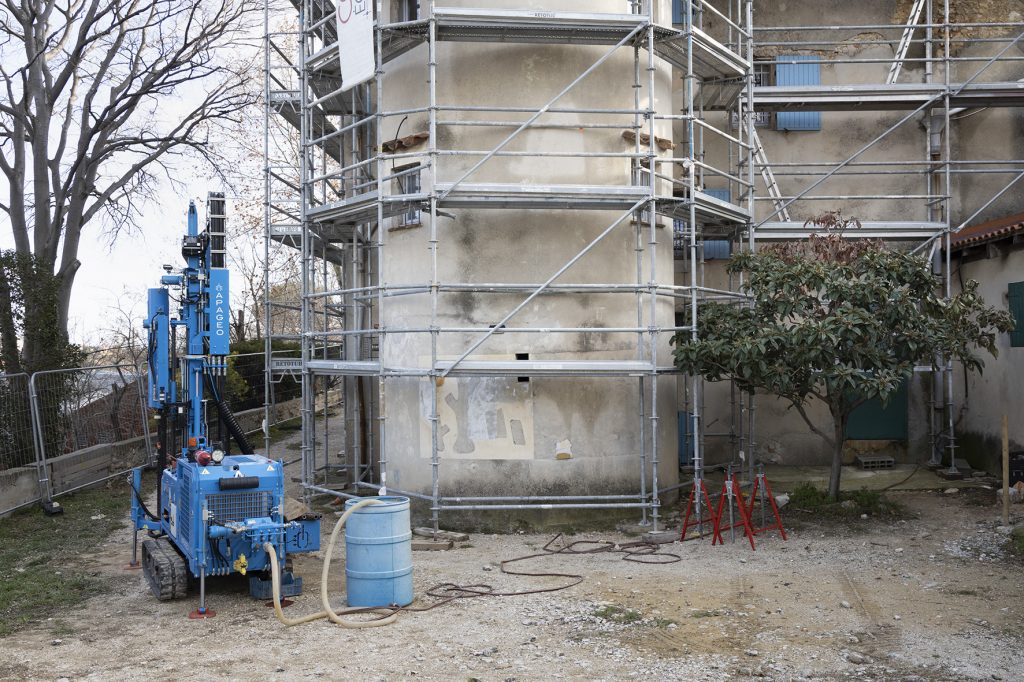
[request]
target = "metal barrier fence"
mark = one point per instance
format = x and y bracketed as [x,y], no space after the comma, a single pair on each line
[17,448]
[63,430]
[91,424]
[19,484]
[247,377]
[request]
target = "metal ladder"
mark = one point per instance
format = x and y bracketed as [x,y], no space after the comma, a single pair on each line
[769,177]
[904,46]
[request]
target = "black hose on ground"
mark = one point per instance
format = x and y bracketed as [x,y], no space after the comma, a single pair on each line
[227,417]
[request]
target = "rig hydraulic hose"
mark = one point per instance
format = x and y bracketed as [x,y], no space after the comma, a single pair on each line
[328,612]
[227,417]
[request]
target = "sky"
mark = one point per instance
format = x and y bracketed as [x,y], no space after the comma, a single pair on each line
[117,274]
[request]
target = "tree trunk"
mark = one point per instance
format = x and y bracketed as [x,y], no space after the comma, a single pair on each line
[837,457]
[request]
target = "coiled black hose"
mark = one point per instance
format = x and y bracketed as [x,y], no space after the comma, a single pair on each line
[227,417]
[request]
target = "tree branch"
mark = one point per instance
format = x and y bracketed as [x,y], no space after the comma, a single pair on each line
[803,413]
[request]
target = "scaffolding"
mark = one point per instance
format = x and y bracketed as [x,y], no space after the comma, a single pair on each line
[353,176]
[960,69]
[357,180]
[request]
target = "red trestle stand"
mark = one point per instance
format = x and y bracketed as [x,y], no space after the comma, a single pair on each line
[731,490]
[761,486]
[698,496]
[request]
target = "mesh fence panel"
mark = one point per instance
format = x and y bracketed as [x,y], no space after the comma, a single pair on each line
[16,446]
[91,424]
[19,480]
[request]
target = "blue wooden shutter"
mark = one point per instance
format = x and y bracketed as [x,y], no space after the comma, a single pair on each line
[788,71]
[1015,293]
[717,249]
[721,194]
[679,12]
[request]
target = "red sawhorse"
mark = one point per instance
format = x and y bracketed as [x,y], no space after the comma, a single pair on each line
[698,496]
[730,491]
[761,486]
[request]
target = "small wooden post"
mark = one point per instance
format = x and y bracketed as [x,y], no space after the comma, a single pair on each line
[1006,472]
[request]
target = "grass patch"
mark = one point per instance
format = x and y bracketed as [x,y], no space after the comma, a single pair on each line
[851,505]
[702,613]
[40,555]
[664,622]
[618,614]
[285,428]
[1016,542]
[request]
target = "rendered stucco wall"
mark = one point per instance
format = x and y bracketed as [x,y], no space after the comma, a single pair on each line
[977,134]
[987,396]
[505,436]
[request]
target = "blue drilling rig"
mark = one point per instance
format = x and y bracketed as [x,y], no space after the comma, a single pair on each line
[214,510]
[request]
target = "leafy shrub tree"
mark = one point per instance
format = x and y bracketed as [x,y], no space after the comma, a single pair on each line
[836,320]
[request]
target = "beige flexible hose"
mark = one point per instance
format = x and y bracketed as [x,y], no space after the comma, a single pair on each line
[328,612]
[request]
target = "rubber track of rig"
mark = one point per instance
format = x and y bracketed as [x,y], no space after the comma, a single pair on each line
[164,569]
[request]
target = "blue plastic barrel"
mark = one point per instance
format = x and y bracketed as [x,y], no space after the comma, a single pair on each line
[378,553]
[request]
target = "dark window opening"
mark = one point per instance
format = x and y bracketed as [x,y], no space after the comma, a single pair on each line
[523,356]
[408,180]
[1015,298]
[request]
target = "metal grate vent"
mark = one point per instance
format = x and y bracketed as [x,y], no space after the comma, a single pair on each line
[238,506]
[184,512]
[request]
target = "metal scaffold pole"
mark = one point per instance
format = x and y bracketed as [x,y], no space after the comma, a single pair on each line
[268,375]
[353,196]
[691,223]
[435,379]
[652,216]
[308,408]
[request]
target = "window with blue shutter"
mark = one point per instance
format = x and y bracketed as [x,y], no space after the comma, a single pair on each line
[789,70]
[717,249]
[1015,294]
[679,12]
[720,194]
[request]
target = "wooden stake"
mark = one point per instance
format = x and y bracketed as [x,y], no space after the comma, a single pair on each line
[1006,472]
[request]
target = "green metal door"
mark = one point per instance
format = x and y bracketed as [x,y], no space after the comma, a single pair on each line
[871,421]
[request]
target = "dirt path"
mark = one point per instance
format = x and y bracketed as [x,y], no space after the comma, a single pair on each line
[927,599]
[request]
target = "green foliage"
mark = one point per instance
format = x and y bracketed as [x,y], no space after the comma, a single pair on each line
[246,378]
[30,317]
[618,614]
[840,320]
[806,497]
[837,319]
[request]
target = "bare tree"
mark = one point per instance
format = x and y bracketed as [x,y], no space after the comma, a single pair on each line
[254,149]
[122,338]
[86,129]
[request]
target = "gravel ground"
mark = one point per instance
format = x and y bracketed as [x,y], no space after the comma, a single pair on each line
[932,598]
[935,597]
